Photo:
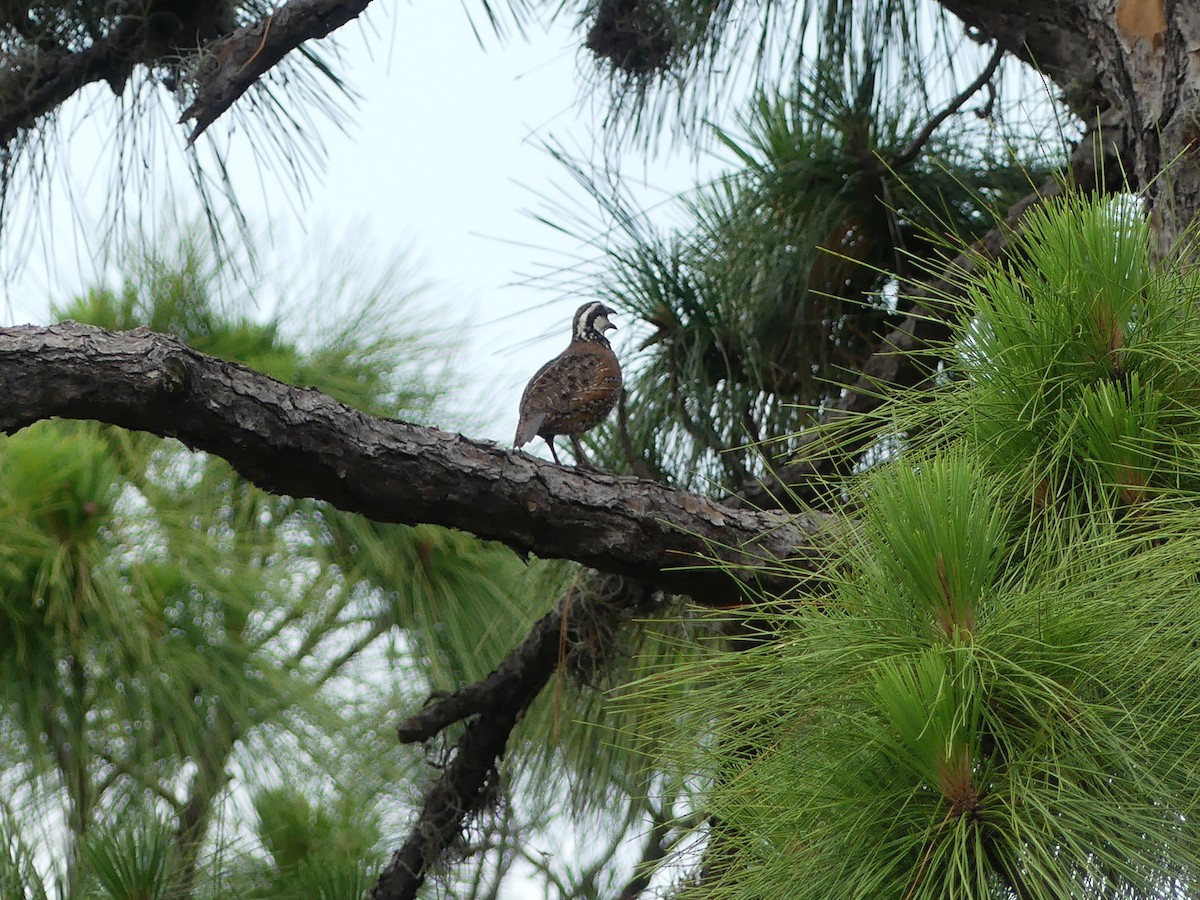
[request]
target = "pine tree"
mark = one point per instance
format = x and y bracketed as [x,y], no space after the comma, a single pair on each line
[994,697]
[932,438]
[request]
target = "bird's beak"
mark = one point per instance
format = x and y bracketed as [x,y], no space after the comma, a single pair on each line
[608,324]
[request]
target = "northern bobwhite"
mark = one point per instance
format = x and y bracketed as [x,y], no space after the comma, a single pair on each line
[575,390]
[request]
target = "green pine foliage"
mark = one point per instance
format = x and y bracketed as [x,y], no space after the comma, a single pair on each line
[326,848]
[131,859]
[997,695]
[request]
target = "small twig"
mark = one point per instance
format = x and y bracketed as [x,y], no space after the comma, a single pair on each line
[541,865]
[986,111]
[909,153]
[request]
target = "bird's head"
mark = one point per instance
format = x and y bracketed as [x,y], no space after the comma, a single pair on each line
[591,321]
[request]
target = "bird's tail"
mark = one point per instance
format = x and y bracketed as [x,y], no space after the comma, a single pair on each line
[527,428]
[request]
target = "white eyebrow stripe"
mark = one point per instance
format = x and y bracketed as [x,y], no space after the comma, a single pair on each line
[584,320]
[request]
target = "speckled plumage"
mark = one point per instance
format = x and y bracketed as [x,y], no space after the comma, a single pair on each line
[577,389]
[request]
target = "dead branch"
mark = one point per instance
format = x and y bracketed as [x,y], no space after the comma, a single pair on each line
[498,702]
[251,51]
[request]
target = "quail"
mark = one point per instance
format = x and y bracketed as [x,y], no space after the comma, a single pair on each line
[577,389]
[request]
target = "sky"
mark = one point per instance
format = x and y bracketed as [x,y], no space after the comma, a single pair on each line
[441,162]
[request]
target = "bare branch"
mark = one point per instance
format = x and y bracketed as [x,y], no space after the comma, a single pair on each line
[1050,37]
[297,441]
[463,786]
[534,660]
[250,52]
[910,152]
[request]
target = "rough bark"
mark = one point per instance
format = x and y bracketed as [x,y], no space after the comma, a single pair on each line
[54,75]
[297,441]
[223,62]
[1135,62]
[1045,35]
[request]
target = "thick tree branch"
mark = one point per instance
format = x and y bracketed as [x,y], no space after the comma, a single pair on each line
[250,52]
[297,441]
[54,75]
[46,64]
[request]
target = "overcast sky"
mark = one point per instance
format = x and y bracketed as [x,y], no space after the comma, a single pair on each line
[443,157]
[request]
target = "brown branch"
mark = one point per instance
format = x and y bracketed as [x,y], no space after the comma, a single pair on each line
[499,701]
[910,152]
[460,792]
[297,441]
[1049,36]
[49,64]
[250,52]
[546,645]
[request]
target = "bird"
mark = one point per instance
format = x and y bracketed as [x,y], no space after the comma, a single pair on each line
[574,391]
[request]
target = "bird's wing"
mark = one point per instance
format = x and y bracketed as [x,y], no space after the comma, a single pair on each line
[562,382]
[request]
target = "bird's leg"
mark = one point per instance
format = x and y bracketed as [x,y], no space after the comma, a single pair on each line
[550,442]
[581,460]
